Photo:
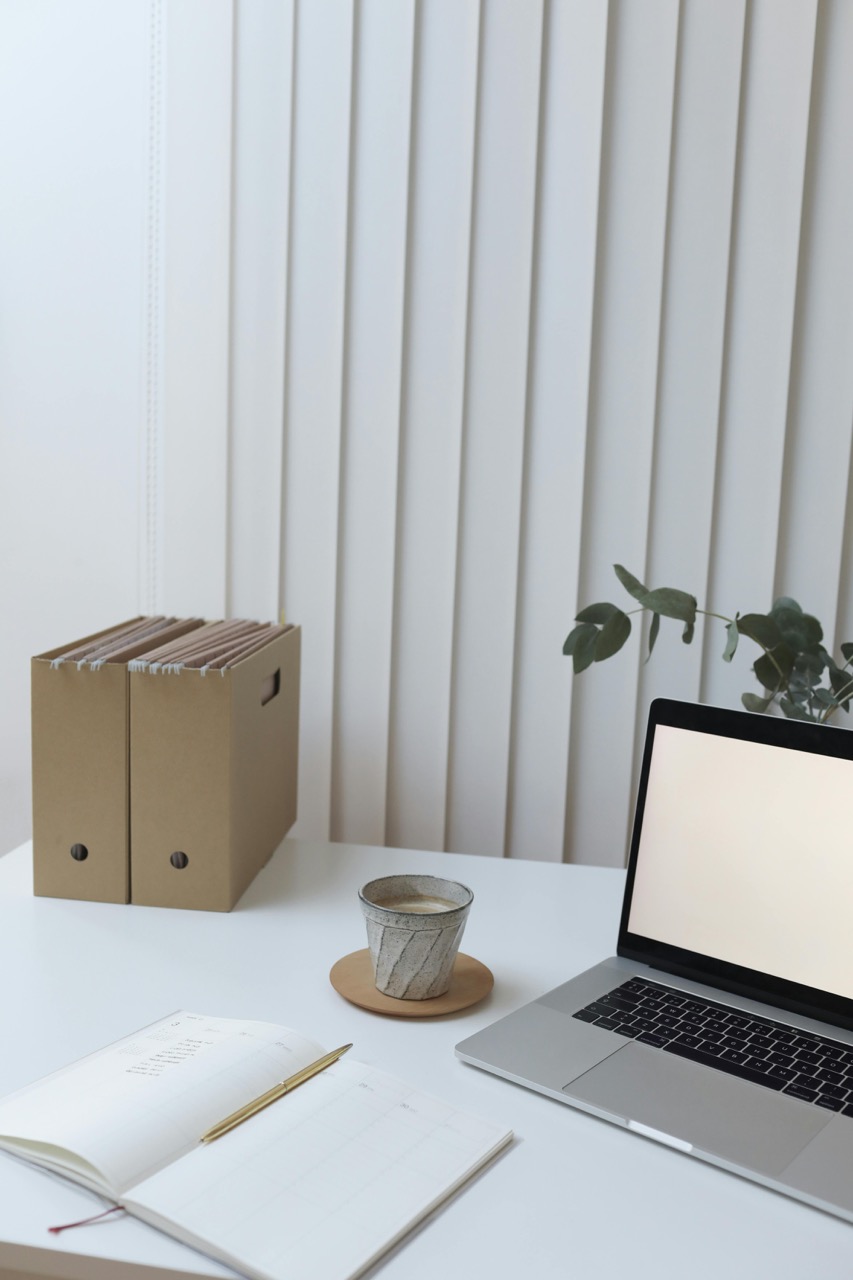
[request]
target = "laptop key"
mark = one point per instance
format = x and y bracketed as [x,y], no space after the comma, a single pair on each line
[759,1064]
[607,1024]
[829,1104]
[585,1015]
[626,1029]
[785,1074]
[599,1008]
[649,1037]
[615,1001]
[797,1090]
[722,1064]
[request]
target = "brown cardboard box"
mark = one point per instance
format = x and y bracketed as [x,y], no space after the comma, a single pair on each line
[213,769]
[80,759]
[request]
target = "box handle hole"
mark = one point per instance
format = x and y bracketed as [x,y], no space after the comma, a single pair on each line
[179,859]
[270,686]
[79,852]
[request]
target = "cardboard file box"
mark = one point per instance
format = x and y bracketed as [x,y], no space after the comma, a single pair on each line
[213,772]
[80,755]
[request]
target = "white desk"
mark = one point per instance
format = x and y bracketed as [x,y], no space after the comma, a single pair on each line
[573,1196]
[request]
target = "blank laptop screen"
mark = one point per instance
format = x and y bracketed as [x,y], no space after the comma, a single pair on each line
[746,855]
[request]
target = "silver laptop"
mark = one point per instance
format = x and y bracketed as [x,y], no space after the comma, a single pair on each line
[723,1026]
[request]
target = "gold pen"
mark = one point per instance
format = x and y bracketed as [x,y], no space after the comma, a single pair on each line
[271,1095]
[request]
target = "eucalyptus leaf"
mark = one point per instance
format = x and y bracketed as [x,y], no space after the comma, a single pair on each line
[766,674]
[810,664]
[792,711]
[612,636]
[752,702]
[584,651]
[732,635]
[799,630]
[599,613]
[653,633]
[671,603]
[687,633]
[574,636]
[761,628]
[847,651]
[841,685]
[785,602]
[631,584]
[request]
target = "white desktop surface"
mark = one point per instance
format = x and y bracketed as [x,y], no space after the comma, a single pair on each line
[573,1196]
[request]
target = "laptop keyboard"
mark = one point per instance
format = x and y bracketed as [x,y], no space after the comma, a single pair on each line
[772,1054]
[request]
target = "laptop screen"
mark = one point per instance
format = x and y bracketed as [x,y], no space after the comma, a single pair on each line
[741,867]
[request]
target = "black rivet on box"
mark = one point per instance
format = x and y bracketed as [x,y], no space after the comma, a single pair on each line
[179,860]
[79,852]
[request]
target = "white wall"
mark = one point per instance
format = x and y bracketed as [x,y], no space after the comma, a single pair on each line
[74,90]
[412,317]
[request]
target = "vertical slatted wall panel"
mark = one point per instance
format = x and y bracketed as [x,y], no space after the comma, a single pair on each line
[830,217]
[445,94]
[196,304]
[763,285]
[567,283]
[495,408]
[320,175]
[262,129]
[560,342]
[635,188]
[366,554]
[821,406]
[681,509]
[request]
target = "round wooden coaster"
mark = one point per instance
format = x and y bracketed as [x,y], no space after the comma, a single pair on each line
[352,977]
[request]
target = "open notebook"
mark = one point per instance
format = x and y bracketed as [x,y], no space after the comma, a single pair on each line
[318,1185]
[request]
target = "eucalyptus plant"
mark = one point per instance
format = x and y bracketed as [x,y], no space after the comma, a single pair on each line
[797,673]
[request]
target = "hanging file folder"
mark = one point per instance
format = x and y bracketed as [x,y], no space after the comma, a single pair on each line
[80,754]
[214,753]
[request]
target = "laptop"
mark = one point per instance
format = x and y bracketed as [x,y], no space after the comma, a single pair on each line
[723,1026]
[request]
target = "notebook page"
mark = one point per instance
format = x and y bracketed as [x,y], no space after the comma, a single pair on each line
[148,1098]
[322,1182]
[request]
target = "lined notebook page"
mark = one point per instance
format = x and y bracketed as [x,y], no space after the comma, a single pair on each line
[322,1182]
[148,1098]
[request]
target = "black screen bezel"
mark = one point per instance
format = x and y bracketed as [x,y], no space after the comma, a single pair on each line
[746,726]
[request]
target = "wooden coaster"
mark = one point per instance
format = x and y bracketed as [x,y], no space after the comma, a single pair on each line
[352,977]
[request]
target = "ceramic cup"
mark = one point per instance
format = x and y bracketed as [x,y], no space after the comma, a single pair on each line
[414,924]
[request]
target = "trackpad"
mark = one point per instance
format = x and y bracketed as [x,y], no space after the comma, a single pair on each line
[724,1116]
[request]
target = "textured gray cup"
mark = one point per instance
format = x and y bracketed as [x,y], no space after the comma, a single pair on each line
[414,924]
